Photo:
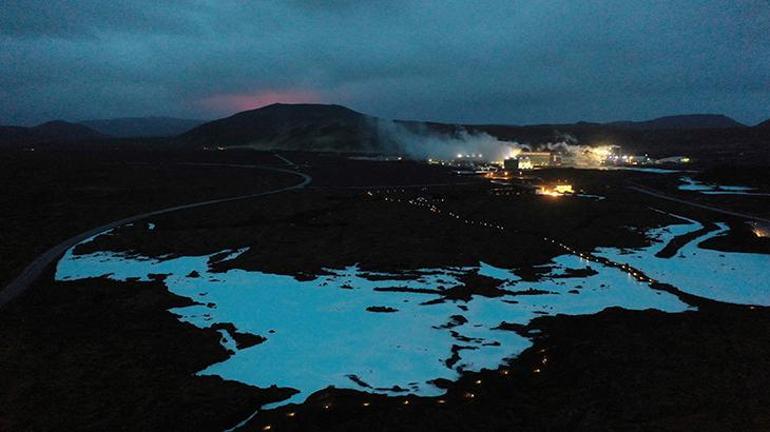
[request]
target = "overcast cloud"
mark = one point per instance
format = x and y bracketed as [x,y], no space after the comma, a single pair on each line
[461,61]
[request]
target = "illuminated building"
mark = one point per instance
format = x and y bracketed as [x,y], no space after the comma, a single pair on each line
[536,159]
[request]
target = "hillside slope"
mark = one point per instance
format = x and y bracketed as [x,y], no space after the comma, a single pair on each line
[130,127]
[52,131]
[313,127]
[687,121]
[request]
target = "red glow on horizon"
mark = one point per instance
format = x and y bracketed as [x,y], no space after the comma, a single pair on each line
[248,101]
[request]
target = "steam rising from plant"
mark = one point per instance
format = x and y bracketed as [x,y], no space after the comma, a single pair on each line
[417,141]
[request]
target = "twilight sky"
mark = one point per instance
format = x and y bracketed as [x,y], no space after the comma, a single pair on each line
[483,61]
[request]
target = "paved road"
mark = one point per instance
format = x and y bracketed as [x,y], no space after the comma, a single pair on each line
[401,186]
[33,271]
[657,194]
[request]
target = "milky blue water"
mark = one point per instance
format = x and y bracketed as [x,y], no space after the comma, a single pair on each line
[319,332]
[689,184]
[729,277]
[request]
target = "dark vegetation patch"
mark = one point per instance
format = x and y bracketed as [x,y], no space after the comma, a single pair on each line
[672,247]
[454,321]
[402,276]
[740,238]
[242,339]
[617,370]
[356,379]
[586,271]
[752,175]
[100,355]
[104,355]
[451,362]
[471,284]
[342,227]
[49,196]
[381,309]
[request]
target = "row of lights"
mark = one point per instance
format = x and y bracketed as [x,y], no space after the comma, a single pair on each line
[424,203]
[366,404]
[467,395]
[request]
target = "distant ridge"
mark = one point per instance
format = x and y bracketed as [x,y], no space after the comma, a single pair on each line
[130,127]
[687,121]
[335,128]
[317,127]
[51,131]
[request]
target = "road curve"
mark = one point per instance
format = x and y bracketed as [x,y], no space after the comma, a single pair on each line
[657,194]
[33,271]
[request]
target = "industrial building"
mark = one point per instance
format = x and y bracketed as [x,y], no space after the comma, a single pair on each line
[536,159]
[530,160]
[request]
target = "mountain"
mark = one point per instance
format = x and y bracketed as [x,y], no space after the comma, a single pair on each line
[52,131]
[764,125]
[688,121]
[132,127]
[313,127]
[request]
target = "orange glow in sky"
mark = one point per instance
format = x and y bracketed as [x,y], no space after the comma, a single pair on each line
[235,102]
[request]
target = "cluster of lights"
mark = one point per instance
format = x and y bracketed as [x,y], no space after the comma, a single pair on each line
[557,190]
[505,192]
[759,230]
[498,175]
[422,202]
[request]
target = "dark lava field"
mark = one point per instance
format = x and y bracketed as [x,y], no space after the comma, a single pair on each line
[105,353]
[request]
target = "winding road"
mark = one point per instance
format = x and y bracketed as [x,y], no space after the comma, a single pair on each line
[35,269]
[654,193]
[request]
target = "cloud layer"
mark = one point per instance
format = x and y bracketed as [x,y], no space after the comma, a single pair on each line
[493,61]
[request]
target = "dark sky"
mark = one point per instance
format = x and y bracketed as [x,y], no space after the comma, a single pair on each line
[502,61]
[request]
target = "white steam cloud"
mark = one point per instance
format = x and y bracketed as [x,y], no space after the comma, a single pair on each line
[417,141]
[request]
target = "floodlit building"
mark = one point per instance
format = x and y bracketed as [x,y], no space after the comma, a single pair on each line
[536,159]
[530,160]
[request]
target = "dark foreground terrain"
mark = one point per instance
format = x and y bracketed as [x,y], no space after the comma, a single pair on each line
[105,355]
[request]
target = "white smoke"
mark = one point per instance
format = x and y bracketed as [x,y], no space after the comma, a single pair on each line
[420,142]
